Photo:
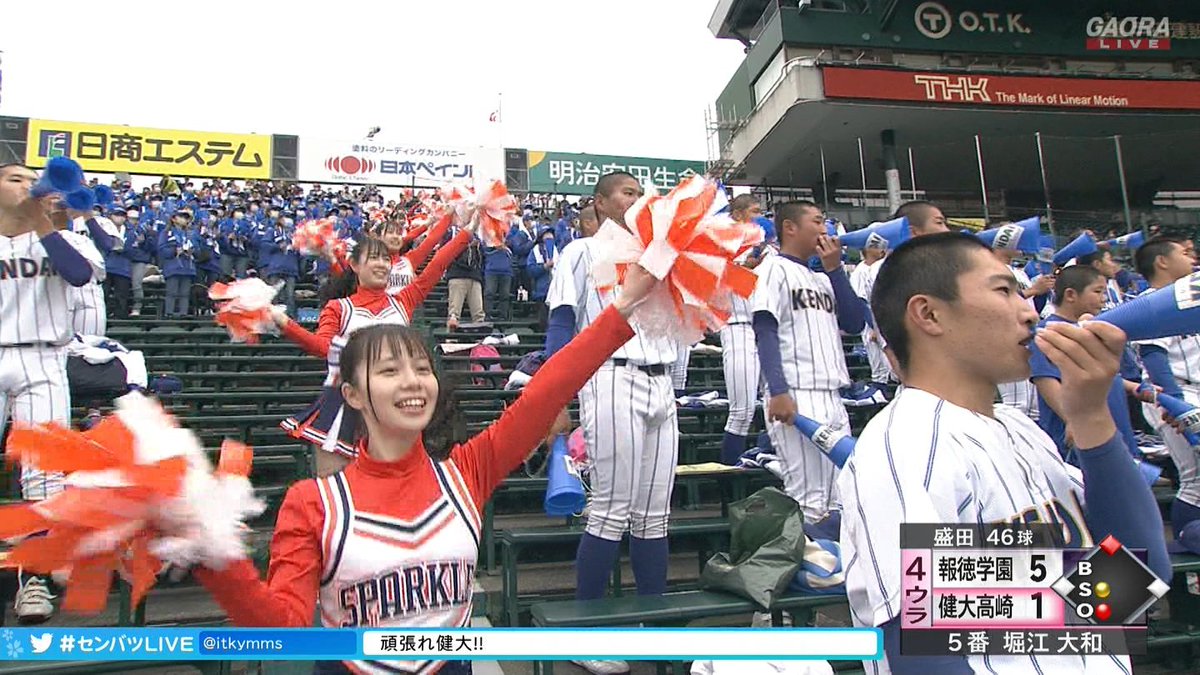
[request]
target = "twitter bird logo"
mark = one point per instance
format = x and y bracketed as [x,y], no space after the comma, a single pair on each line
[42,643]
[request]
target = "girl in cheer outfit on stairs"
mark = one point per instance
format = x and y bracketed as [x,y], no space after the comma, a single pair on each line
[406,260]
[362,300]
[392,540]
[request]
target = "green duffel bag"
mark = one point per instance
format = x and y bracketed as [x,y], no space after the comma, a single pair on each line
[766,548]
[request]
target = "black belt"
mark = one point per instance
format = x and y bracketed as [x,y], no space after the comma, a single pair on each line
[23,345]
[653,369]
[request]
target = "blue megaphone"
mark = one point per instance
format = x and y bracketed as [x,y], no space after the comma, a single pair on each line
[564,492]
[836,445]
[1150,472]
[1131,241]
[104,196]
[1184,413]
[81,199]
[62,174]
[1081,245]
[1164,312]
[1024,236]
[768,227]
[886,235]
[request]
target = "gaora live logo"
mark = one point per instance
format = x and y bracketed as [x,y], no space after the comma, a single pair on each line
[1128,33]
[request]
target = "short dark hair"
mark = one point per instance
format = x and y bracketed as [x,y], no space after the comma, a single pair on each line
[791,210]
[608,182]
[742,202]
[1147,253]
[914,210]
[929,265]
[1076,278]
[1095,256]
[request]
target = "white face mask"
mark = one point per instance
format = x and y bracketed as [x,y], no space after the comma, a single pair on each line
[238,216]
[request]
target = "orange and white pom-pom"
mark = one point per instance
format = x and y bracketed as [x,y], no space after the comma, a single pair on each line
[140,491]
[488,210]
[680,238]
[316,237]
[380,215]
[244,308]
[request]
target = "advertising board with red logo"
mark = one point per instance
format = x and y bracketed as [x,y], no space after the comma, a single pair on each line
[395,163]
[1010,91]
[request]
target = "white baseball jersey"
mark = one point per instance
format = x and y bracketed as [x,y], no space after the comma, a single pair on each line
[925,460]
[89,311]
[1183,354]
[571,286]
[1022,394]
[34,299]
[740,307]
[810,342]
[862,280]
[1112,295]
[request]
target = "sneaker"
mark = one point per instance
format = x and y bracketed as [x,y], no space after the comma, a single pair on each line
[135,312]
[598,667]
[33,603]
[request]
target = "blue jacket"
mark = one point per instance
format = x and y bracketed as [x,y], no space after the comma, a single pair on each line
[175,252]
[538,272]
[205,243]
[141,241]
[520,243]
[235,236]
[563,233]
[497,261]
[280,259]
[113,248]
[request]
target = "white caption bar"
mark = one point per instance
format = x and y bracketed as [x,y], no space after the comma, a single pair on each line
[633,643]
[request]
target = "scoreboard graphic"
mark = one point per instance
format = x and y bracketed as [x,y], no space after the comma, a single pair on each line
[1010,590]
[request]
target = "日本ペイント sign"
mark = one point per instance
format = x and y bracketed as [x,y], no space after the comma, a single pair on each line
[394,163]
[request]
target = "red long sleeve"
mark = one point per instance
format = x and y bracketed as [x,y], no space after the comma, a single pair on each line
[489,457]
[289,595]
[420,254]
[328,326]
[415,293]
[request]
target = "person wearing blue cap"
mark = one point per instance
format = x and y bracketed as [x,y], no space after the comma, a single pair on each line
[282,261]
[118,266]
[176,251]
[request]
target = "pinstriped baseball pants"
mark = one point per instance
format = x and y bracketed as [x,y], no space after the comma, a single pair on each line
[33,389]
[739,358]
[632,437]
[809,476]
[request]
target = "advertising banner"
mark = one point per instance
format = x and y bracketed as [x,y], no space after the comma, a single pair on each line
[109,148]
[576,174]
[1011,91]
[395,164]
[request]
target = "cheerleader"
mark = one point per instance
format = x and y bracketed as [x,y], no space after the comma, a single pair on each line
[397,240]
[392,540]
[355,300]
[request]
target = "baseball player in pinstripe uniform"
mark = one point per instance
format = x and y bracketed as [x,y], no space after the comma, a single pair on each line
[1173,364]
[40,264]
[739,354]
[89,312]
[799,317]
[942,452]
[862,279]
[1021,394]
[627,410]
